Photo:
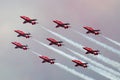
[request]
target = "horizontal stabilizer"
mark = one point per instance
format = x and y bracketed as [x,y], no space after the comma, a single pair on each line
[67,24]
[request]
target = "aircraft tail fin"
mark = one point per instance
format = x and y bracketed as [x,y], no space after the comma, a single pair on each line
[96,30]
[66,23]
[96,51]
[60,41]
[33,20]
[52,59]
[85,63]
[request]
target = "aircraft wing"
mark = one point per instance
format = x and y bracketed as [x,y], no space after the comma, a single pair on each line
[24,22]
[43,61]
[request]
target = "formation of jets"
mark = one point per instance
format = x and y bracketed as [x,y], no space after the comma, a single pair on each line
[54,41]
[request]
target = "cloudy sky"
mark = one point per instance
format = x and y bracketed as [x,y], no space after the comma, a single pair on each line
[17,64]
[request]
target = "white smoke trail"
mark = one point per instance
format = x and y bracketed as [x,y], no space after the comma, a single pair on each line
[104,73]
[100,43]
[113,63]
[70,57]
[56,50]
[72,71]
[113,41]
[95,63]
[104,59]
[36,53]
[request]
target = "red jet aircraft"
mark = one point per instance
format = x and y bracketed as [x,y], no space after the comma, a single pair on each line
[91,30]
[21,33]
[46,59]
[28,20]
[90,50]
[55,42]
[61,24]
[19,45]
[79,63]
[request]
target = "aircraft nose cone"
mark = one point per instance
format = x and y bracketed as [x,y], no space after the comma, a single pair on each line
[54,21]
[47,38]
[40,56]
[84,47]
[85,27]
[73,60]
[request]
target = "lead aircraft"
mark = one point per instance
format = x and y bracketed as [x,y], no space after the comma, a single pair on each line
[29,20]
